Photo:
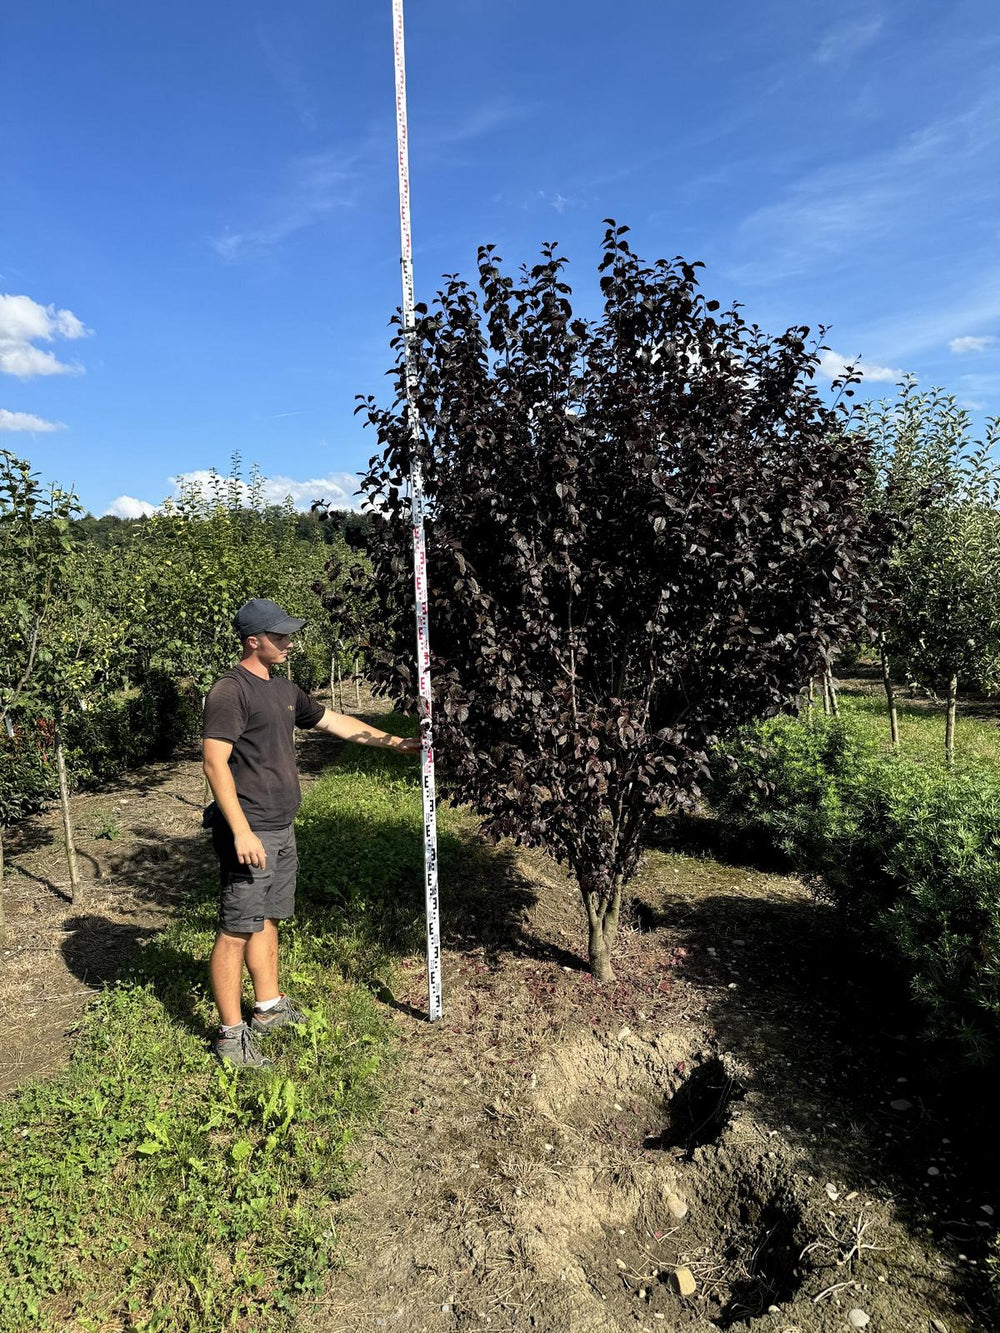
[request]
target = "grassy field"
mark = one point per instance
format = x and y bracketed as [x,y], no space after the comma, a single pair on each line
[921,731]
[146,1188]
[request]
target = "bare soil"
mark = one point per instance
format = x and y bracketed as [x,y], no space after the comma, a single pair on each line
[748,1102]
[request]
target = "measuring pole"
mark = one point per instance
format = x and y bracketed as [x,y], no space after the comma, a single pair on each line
[419,545]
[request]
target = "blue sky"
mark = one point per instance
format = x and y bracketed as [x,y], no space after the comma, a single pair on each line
[199,228]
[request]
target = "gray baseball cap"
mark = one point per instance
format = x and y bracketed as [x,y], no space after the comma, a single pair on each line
[262,616]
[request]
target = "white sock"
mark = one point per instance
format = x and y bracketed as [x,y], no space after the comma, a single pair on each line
[265,1005]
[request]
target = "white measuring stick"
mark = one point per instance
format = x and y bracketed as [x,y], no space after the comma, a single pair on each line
[419,546]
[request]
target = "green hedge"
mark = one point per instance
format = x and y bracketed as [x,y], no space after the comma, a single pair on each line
[27,769]
[909,851]
[125,730]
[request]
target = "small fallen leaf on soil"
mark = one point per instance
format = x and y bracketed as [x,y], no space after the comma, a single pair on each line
[832,1191]
[684,1278]
[678,1208]
[939,1326]
[858,1319]
[901,1104]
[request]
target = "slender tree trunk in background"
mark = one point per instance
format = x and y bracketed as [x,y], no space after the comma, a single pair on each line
[74,879]
[890,697]
[812,697]
[3,916]
[825,693]
[288,667]
[333,680]
[340,686]
[949,720]
[357,685]
[832,692]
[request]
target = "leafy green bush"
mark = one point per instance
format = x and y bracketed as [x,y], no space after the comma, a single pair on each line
[910,852]
[27,769]
[120,732]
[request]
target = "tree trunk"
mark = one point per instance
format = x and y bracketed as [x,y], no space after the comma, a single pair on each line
[949,720]
[890,698]
[74,879]
[602,899]
[832,692]
[357,685]
[340,686]
[3,915]
[333,680]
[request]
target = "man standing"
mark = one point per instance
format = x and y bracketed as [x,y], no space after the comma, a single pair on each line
[249,761]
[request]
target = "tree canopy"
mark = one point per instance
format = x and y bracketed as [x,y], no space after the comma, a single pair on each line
[645,530]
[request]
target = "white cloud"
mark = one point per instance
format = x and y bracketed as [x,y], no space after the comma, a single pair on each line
[833,365]
[24,322]
[126,506]
[970,344]
[27,421]
[846,39]
[337,489]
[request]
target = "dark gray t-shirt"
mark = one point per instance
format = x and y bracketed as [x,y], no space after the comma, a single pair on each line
[259,717]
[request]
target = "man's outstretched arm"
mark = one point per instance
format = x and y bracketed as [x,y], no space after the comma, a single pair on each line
[353,729]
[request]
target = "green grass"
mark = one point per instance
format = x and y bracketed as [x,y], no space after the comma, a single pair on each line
[921,731]
[145,1188]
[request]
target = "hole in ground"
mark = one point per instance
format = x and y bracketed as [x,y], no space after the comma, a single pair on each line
[699,1111]
[765,1260]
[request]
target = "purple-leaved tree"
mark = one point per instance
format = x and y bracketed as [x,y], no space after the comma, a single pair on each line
[645,530]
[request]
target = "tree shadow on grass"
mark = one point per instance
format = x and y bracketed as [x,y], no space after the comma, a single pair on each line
[827,1024]
[705,835]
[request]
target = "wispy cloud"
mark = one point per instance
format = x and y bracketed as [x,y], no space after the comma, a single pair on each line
[26,421]
[969,343]
[23,323]
[845,39]
[314,185]
[928,322]
[287,74]
[476,123]
[820,217]
[833,365]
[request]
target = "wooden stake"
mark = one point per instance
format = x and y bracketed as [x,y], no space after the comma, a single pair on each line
[890,696]
[64,804]
[949,720]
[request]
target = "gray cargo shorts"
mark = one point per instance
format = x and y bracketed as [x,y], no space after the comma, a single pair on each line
[249,896]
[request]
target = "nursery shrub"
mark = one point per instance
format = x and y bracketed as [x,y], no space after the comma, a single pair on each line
[908,851]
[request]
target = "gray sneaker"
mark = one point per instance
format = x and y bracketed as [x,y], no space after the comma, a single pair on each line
[237,1046]
[278,1016]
